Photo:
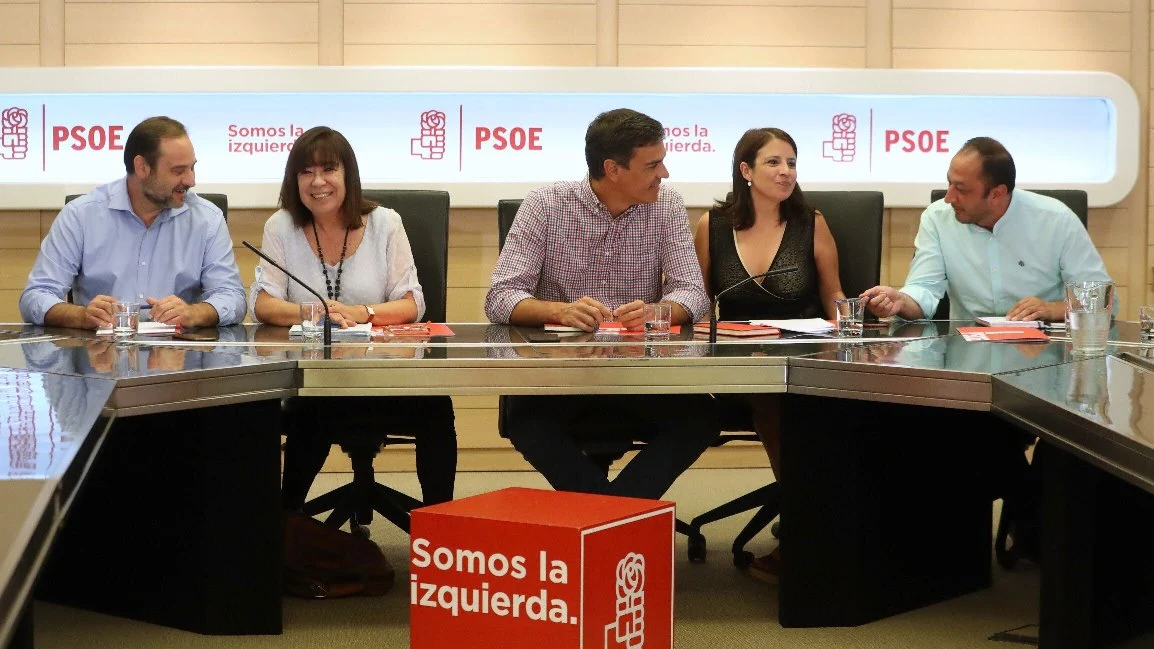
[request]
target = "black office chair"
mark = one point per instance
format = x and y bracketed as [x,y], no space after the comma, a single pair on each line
[602,452]
[855,220]
[1075,199]
[220,200]
[425,215]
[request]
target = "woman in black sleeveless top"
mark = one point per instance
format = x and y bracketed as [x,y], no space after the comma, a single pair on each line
[765,224]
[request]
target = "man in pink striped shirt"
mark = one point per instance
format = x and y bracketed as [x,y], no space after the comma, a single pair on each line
[581,253]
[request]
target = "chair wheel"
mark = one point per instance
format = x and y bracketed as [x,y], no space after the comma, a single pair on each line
[742,559]
[696,548]
[359,530]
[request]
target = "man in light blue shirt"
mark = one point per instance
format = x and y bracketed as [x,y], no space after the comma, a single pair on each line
[994,249]
[143,238]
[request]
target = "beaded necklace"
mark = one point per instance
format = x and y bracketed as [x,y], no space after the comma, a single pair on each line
[340,265]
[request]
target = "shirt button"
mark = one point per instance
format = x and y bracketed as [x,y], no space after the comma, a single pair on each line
[144,263]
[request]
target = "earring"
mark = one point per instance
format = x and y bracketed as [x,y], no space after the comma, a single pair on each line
[749,183]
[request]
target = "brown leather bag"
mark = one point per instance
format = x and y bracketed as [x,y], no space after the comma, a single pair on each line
[324,562]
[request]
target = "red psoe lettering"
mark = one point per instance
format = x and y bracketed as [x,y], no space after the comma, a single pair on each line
[923,141]
[517,138]
[96,138]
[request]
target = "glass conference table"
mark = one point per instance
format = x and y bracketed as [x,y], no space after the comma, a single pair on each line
[190,443]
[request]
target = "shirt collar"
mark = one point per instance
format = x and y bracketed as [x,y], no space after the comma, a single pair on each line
[1012,212]
[589,198]
[118,200]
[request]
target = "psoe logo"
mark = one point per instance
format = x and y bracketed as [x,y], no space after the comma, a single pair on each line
[14,134]
[430,145]
[628,630]
[843,141]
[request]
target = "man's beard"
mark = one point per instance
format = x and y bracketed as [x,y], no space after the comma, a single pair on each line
[162,200]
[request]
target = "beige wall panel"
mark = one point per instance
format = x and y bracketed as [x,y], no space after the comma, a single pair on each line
[132,54]
[742,25]
[1127,310]
[484,2]
[466,304]
[19,56]
[247,225]
[756,3]
[1109,227]
[716,55]
[1027,30]
[471,266]
[14,266]
[477,428]
[19,24]
[9,305]
[904,226]
[469,24]
[473,227]
[899,264]
[450,54]
[20,229]
[1122,6]
[246,264]
[1117,263]
[215,23]
[885,270]
[474,401]
[929,59]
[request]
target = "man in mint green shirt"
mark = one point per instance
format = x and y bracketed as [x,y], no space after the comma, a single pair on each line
[994,249]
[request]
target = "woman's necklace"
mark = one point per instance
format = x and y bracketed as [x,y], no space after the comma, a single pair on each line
[333,295]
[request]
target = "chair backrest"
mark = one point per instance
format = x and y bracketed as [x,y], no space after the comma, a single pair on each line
[425,215]
[220,200]
[1075,199]
[855,219]
[506,210]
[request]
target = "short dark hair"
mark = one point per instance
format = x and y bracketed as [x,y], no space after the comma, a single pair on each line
[739,203]
[145,139]
[997,163]
[614,134]
[321,145]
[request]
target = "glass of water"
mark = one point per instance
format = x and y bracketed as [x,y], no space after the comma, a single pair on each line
[1089,306]
[1146,321]
[125,317]
[312,320]
[850,315]
[657,317]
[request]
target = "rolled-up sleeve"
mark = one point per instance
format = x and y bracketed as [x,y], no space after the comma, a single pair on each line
[519,266]
[926,282]
[683,282]
[55,268]
[219,278]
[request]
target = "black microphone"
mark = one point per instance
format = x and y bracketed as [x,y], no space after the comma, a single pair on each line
[328,335]
[713,311]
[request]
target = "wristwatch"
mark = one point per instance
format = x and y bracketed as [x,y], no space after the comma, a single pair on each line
[372,312]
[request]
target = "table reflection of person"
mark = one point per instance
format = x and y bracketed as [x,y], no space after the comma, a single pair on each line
[580,253]
[328,234]
[766,224]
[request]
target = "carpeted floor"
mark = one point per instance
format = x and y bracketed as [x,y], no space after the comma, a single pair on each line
[716,605]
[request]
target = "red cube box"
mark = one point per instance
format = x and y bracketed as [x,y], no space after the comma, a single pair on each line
[529,568]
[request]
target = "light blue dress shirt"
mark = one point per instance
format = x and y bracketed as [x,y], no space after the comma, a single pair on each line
[98,246]
[1034,249]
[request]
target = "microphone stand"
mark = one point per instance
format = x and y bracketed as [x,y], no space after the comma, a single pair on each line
[713,311]
[327,330]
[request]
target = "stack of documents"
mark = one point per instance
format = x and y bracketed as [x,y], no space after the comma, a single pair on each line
[353,332]
[800,325]
[1001,321]
[148,328]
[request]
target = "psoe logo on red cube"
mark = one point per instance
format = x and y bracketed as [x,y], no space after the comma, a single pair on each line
[14,134]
